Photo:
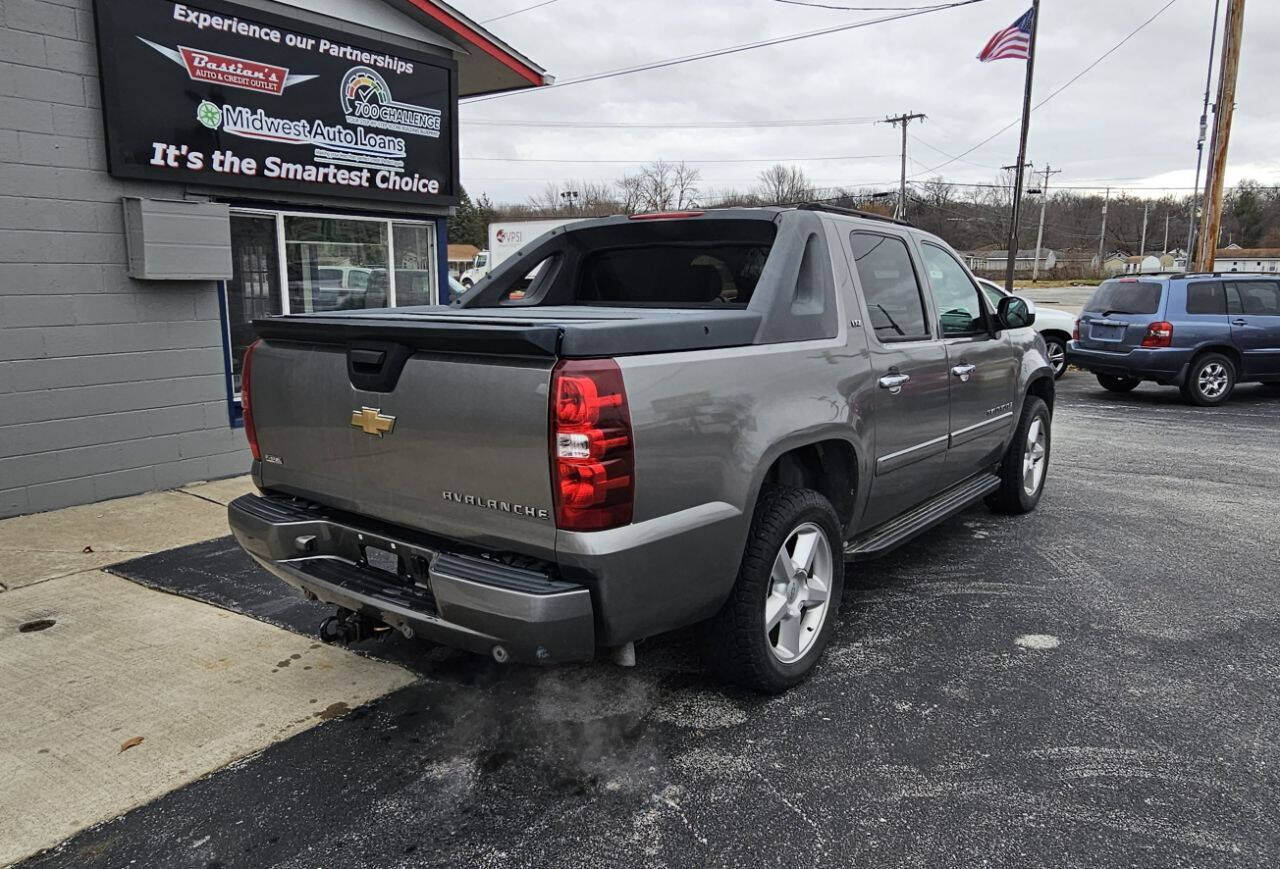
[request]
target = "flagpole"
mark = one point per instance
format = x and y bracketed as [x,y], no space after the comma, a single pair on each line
[1022,148]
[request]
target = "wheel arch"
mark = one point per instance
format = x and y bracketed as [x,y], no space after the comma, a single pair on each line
[1044,388]
[828,463]
[1226,350]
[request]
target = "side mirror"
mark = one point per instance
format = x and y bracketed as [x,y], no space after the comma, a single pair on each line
[1015,312]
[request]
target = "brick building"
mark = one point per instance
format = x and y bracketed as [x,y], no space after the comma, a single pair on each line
[120,339]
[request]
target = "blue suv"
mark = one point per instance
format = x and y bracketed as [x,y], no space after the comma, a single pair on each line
[1202,333]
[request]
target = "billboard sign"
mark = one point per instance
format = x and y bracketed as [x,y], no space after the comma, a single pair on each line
[216,94]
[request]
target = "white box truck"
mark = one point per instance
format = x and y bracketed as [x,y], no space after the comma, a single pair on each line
[505,238]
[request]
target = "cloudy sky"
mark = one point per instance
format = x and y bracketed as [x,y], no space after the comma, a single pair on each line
[1131,122]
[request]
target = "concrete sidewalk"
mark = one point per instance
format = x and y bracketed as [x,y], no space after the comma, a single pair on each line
[59,543]
[113,694]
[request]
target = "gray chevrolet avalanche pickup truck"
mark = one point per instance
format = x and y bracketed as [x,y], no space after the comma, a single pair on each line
[637,424]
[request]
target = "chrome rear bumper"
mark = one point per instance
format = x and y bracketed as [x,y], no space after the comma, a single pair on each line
[453,599]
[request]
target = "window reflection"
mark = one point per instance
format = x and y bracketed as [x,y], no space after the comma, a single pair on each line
[331,263]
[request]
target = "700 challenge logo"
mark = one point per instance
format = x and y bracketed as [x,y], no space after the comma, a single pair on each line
[367,101]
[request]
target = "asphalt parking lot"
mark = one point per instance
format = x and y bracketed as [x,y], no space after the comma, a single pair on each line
[1091,685]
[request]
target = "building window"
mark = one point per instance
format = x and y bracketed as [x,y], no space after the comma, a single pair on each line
[287,262]
[331,263]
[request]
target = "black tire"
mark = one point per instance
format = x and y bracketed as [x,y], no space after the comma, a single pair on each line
[1057,347]
[1211,378]
[734,644]
[466,284]
[1117,384]
[1012,497]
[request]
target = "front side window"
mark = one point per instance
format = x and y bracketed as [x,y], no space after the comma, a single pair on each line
[959,305]
[889,286]
[1260,298]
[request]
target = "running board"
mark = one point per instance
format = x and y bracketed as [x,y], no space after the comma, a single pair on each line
[895,532]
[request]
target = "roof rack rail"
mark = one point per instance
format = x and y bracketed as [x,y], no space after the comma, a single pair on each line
[851,212]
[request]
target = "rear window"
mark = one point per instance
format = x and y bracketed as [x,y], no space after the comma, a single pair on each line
[673,275]
[1126,297]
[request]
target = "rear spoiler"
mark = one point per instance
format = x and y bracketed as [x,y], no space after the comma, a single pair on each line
[502,338]
[463,331]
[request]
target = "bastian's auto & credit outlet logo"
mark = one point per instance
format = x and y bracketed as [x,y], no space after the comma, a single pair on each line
[236,72]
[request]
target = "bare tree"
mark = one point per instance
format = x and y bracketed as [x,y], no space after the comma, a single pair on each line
[629,189]
[685,180]
[782,185]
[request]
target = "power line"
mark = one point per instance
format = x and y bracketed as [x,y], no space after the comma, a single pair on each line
[721,52]
[932,147]
[518,11]
[856,8]
[725,160]
[705,125]
[1110,51]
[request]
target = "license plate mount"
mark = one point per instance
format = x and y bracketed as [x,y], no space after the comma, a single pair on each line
[383,559]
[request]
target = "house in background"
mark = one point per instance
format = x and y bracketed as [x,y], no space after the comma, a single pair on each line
[1115,263]
[998,260]
[461,256]
[1248,259]
[1143,265]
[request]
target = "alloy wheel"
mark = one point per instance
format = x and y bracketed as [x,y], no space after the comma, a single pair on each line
[1212,380]
[799,593]
[1057,358]
[1033,457]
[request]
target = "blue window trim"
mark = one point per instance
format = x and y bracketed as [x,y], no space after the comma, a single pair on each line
[235,414]
[442,258]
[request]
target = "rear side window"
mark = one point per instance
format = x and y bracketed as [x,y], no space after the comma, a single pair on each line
[889,286]
[1206,297]
[1126,297]
[1260,298]
[673,275]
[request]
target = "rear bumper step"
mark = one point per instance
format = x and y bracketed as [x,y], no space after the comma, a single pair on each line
[453,599]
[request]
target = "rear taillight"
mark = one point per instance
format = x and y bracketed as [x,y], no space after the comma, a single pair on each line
[592,453]
[1075,333]
[246,405]
[1158,335]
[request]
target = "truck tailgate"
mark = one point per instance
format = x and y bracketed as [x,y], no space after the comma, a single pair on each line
[458,446]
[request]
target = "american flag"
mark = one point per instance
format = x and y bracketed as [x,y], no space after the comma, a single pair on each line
[1012,43]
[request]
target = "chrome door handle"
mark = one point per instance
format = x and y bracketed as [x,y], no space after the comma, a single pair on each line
[893,382]
[1239,322]
[963,372]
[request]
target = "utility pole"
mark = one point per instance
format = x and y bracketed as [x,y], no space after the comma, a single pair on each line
[1224,110]
[1022,144]
[1204,124]
[1102,238]
[1142,248]
[900,212]
[1015,214]
[1044,200]
[1166,233]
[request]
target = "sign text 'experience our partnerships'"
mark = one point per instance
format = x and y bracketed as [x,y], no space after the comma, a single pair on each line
[220,95]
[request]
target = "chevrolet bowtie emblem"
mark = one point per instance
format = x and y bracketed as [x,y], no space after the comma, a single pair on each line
[372,421]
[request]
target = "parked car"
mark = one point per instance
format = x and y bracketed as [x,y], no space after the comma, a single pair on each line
[690,418]
[1203,333]
[1054,326]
